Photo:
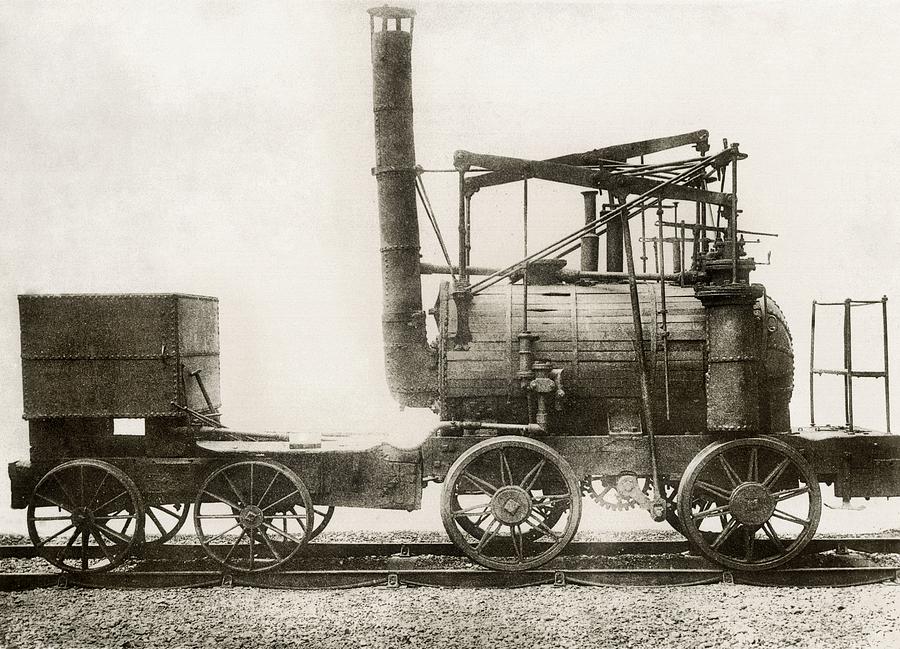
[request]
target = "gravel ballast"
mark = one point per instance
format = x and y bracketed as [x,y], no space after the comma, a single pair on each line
[701,616]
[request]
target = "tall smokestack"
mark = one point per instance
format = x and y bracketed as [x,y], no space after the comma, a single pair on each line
[410,365]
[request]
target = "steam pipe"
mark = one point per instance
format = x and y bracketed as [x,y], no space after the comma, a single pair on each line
[410,365]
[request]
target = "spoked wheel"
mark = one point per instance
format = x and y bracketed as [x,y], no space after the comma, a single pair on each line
[749,504]
[85,516]
[165,520]
[323,514]
[520,494]
[253,515]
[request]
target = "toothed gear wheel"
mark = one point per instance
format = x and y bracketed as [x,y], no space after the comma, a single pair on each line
[609,497]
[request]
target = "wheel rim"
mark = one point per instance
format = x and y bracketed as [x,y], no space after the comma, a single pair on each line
[253,516]
[323,516]
[85,516]
[519,494]
[749,504]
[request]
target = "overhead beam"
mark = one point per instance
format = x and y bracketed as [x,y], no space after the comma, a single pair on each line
[619,152]
[519,168]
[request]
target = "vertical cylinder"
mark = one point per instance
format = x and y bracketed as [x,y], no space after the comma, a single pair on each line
[410,368]
[848,365]
[590,242]
[732,382]
[614,247]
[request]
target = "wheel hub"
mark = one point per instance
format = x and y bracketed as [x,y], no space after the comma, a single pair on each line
[511,505]
[752,504]
[82,516]
[251,517]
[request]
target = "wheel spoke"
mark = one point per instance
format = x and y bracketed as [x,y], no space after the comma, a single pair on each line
[539,525]
[505,472]
[482,484]
[474,509]
[489,534]
[770,532]
[517,541]
[39,519]
[222,499]
[65,492]
[251,536]
[552,498]
[99,538]
[790,493]
[97,490]
[285,534]
[55,503]
[60,532]
[729,471]
[753,468]
[81,484]
[712,489]
[790,518]
[268,488]
[234,545]
[113,534]
[776,472]
[102,508]
[751,544]
[250,501]
[280,500]
[271,546]
[234,488]
[730,527]
[218,536]
[715,511]
[159,526]
[532,476]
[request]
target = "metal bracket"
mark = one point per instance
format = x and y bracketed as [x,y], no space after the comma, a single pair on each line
[728,578]
[404,550]
[393,581]
[559,578]
[227,581]
[62,581]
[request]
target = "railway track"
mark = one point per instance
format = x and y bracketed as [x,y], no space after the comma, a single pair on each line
[163,567]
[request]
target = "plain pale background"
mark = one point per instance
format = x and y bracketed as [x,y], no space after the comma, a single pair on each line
[225,149]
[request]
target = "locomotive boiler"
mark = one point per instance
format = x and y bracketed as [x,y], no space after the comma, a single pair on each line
[662,381]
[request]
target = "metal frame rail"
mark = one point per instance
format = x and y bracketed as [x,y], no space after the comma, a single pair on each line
[334,579]
[402,570]
[847,371]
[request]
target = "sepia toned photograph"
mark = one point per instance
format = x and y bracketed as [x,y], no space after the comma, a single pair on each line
[449,324]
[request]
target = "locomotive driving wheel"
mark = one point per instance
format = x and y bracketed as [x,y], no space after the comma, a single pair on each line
[85,516]
[253,515]
[521,496]
[749,504]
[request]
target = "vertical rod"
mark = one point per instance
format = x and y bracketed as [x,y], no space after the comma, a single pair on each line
[463,258]
[642,369]
[812,365]
[695,250]
[643,235]
[848,366]
[662,299]
[734,217]
[683,251]
[468,229]
[525,250]
[887,380]
[590,242]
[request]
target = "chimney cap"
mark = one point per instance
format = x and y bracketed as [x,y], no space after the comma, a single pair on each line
[386,11]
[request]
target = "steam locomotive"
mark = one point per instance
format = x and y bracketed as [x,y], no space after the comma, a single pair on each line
[664,387]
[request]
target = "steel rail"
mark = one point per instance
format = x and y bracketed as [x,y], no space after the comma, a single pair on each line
[454,578]
[195,552]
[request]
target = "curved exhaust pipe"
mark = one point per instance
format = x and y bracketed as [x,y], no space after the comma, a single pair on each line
[410,364]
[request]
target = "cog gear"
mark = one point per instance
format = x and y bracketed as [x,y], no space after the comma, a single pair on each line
[606,491]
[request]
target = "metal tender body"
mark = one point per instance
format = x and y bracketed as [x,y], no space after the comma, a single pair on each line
[661,388]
